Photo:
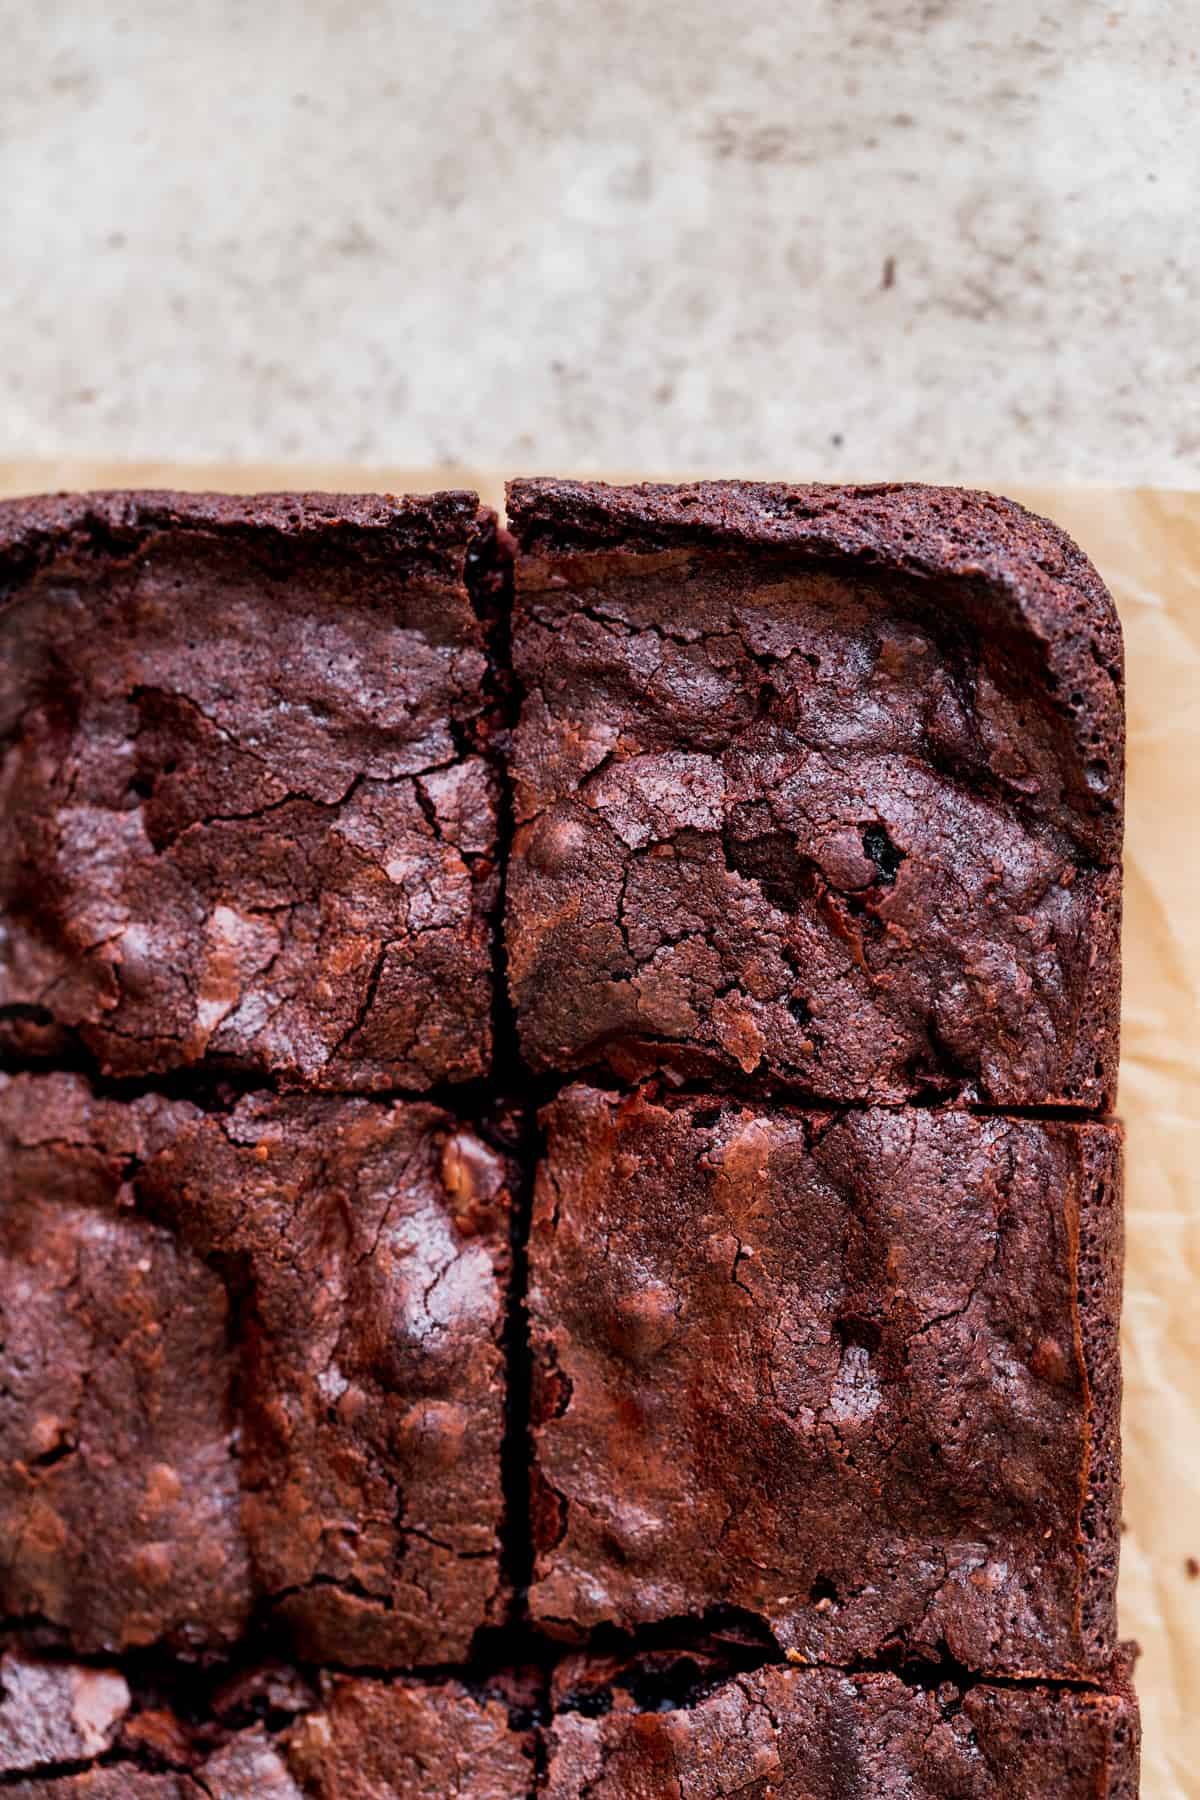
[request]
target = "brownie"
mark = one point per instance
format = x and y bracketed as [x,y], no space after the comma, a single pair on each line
[119,1498]
[56,1712]
[809,803]
[818,1734]
[117,1781]
[788,1733]
[249,1767]
[816,788]
[424,1743]
[855,1376]
[249,817]
[255,1367]
[357,1740]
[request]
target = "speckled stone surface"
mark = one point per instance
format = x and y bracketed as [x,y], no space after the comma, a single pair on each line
[890,237]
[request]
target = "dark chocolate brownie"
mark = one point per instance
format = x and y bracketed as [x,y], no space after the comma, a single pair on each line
[253,1359]
[775,1734]
[56,1712]
[118,1781]
[816,787]
[355,1740]
[119,1501]
[792,1734]
[249,816]
[818,796]
[856,1377]
[423,1743]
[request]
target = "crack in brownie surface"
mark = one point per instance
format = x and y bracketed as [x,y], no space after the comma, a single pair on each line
[250,814]
[792,1734]
[854,1376]
[253,1361]
[774,1733]
[809,805]
[328,1737]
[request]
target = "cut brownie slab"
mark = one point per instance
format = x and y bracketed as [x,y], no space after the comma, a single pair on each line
[775,1733]
[856,1377]
[792,1734]
[248,819]
[254,1362]
[816,787]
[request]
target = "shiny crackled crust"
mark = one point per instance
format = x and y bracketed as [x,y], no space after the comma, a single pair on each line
[254,1368]
[1039,584]
[855,1376]
[818,788]
[249,797]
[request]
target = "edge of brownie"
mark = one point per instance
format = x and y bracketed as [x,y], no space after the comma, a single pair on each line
[32,526]
[1100,1260]
[1050,591]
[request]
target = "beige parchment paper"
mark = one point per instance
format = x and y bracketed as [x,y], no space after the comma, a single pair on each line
[1146,544]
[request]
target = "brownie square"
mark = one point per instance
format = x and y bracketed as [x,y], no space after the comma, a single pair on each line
[255,1360]
[855,1377]
[818,789]
[812,1734]
[249,814]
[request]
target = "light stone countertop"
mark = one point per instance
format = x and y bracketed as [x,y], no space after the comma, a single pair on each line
[958,239]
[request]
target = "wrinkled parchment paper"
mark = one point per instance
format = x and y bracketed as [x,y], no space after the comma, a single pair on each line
[1146,544]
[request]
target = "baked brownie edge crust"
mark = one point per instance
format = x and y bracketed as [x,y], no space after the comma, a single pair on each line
[816,789]
[1033,567]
